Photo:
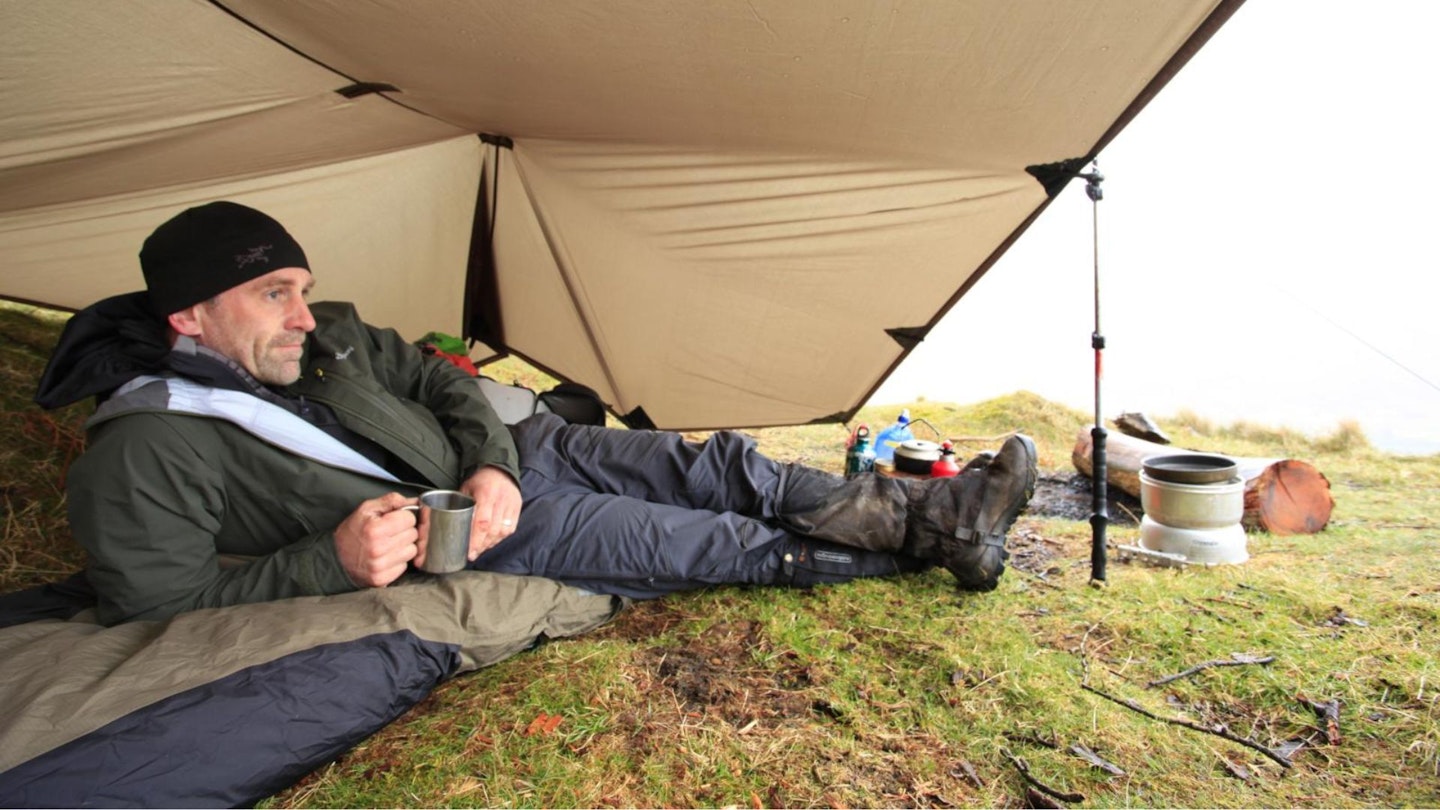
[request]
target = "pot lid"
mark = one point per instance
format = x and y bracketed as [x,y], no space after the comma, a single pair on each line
[1190,468]
[919,448]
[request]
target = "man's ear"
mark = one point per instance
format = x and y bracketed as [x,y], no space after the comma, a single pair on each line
[186,321]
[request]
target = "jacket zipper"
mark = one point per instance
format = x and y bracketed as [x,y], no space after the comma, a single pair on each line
[373,400]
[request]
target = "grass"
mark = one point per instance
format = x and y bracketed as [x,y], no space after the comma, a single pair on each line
[906,692]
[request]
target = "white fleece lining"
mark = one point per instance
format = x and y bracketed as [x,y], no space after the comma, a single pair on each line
[268,422]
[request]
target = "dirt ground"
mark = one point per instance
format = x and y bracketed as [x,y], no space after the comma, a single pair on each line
[1068,495]
[707,674]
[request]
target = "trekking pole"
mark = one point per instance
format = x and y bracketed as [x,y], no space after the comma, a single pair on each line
[1100,514]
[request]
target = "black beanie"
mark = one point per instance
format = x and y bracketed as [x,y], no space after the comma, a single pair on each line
[204,251]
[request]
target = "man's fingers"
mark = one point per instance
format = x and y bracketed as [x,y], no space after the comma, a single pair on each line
[497,507]
[387,503]
[375,541]
[500,522]
[400,553]
[393,521]
[388,539]
[391,536]
[480,544]
[487,531]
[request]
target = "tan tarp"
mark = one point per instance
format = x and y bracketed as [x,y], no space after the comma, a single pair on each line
[714,213]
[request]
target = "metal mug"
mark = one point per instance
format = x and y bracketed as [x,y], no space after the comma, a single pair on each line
[444,523]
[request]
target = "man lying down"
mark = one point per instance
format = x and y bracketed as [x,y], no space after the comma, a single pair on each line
[250,446]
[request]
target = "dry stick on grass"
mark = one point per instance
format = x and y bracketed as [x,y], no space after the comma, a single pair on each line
[964,769]
[1237,661]
[975,439]
[1032,739]
[1240,603]
[1036,578]
[1024,770]
[1218,616]
[1084,658]
[1327,710]
[1122,507]
[1096,760]
[1218,731]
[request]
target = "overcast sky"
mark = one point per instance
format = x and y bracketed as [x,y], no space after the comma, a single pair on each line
[1265,243]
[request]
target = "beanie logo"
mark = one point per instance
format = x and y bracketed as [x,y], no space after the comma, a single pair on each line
[255,254]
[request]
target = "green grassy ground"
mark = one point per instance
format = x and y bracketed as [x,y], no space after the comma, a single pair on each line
[906,692]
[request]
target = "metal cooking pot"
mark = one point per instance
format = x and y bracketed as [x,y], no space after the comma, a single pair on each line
[1192,506]
[1189,468]
[916,456]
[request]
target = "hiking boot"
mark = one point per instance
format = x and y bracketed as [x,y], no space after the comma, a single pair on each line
[867,511]
[957,522]
[961,522]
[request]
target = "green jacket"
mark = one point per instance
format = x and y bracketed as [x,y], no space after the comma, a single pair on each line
[181,508]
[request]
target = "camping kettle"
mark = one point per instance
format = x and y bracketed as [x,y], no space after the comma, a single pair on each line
[916,456]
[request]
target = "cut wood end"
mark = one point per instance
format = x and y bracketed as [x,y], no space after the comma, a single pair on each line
[1289,497]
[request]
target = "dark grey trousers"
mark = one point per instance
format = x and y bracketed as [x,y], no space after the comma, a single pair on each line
[644,513]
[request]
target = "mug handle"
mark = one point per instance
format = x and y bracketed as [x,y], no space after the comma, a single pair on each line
[419,541]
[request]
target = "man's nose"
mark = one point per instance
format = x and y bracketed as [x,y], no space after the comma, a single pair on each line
[300,317]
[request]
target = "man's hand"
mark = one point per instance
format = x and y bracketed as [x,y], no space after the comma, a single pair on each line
[497,507]
[377,540]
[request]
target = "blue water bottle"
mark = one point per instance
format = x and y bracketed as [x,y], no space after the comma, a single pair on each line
[893,436]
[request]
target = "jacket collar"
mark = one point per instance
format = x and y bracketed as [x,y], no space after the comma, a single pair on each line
[104,346]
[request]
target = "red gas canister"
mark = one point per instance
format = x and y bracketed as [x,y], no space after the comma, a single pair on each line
[945,466]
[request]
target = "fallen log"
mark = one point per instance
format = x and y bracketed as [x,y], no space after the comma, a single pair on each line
[1282,496]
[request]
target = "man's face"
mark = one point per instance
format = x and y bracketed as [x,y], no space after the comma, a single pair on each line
[260,324]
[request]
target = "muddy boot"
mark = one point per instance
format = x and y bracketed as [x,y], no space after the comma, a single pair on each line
[867,511]
[806,562]
[961,522]
[957,522]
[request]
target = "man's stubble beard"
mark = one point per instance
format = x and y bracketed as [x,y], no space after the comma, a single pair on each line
[273,370]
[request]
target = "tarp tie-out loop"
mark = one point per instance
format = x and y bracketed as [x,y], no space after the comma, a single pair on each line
[366,88]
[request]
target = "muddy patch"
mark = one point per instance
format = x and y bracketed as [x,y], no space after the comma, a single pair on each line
[1068,495]
[717,673]
[1032,552]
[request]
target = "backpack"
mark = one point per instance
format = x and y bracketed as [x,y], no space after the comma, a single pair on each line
[575,403]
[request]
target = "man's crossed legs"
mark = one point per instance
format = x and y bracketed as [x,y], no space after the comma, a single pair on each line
[644,513]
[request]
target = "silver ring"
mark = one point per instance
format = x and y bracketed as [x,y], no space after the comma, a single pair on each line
[507,522]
